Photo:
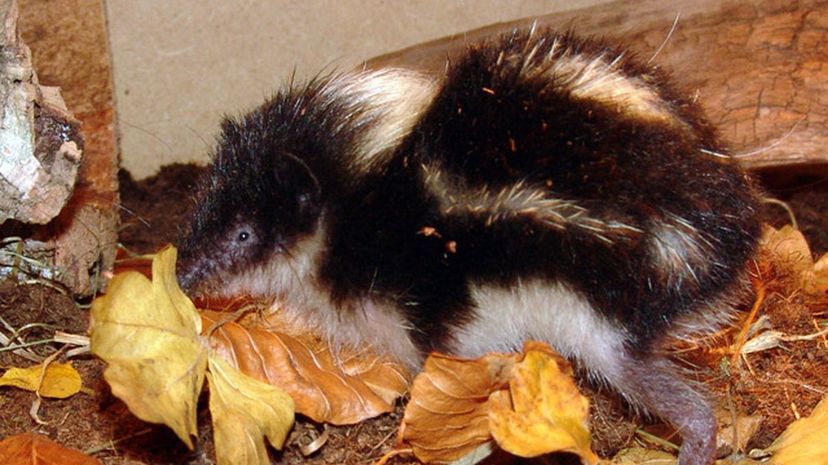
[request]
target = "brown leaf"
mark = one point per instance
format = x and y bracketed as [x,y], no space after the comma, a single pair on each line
[34,449]
[788,247]
[527,402]
[447,416]
[790,256]
[742,430]
[340,389]
[818,282]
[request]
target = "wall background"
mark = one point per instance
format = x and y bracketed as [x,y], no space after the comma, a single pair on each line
[179,65]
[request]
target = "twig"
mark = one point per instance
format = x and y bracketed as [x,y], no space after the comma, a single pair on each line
[33,412]
[393,453]
[740,340]
[787,208]
[656,440]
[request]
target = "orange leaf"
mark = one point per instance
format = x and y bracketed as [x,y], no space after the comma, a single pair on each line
[447,416]
[31,449]
[345,388]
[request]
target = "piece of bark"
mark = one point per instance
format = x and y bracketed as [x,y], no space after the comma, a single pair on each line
[760,68]
[70,49]
[40,148]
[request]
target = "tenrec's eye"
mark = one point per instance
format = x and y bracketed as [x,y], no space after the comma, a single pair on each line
[243,236]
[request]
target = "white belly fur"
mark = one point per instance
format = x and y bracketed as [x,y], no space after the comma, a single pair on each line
[505,317]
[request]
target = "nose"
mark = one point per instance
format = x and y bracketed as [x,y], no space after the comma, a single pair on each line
[187,273]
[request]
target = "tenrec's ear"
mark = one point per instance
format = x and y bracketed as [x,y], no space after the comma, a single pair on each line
[307,184]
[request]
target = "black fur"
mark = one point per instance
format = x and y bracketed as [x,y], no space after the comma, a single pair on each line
[495,121]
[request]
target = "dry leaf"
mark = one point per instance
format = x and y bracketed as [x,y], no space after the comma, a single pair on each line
[804,441]
[791,255]
[340,389]
[543,411]
[478,455]
[245,411]
[528,403]
[743,430]
[738,460]
[447,415]
[60,381]
[641,456]
[819,282]
[34,449]
[788,247]
[148,333]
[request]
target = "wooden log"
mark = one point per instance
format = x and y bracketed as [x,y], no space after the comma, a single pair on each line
[760,68]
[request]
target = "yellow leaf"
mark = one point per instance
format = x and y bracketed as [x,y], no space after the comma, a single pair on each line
[60,381]
[542,411]
[244,412]
[641,456]
[804,441]
[148,333]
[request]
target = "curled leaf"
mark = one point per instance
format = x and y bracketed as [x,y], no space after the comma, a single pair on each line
[245,411]
[817,283]
[641,456]
[342,388]
[527,403]
[542,411]
[790,254]
[447,416]
[148,333]
[60,381]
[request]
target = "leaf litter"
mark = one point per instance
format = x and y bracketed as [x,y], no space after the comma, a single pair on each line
[791,384]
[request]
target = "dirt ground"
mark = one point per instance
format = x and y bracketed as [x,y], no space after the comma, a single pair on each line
[778,384]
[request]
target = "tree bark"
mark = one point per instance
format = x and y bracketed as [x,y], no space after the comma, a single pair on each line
[760,68]
[71,237]
[40,147]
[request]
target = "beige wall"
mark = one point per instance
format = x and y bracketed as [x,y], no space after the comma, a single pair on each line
[180,64]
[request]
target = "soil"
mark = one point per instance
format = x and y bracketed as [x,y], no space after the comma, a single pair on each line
[779,384]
